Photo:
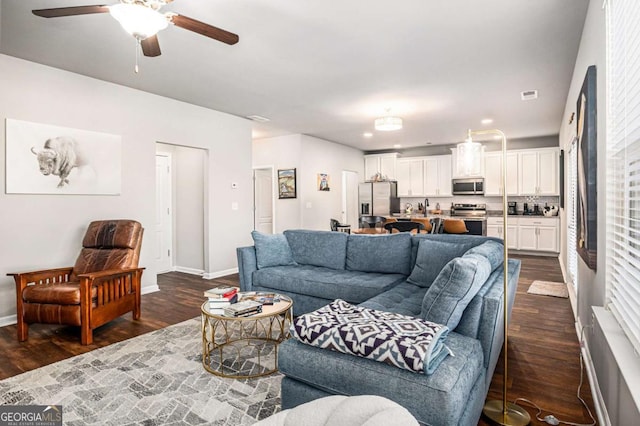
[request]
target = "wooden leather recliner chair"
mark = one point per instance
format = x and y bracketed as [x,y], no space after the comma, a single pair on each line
[103,284]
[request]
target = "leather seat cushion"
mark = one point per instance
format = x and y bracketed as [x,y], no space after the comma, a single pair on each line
[57,294]
[51,314]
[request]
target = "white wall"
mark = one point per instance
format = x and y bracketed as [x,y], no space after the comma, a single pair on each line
[591,291]
[312,209]
[40,231]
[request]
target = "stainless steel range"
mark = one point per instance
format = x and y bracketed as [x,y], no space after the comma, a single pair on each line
[474,216]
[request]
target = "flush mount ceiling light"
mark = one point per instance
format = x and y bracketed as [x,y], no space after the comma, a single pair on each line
[388,123]
[367,134]
[487,121]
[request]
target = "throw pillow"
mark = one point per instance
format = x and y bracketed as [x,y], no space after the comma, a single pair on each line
[318,248]
[271,250]
[454,287]
[431,257]
[492,250]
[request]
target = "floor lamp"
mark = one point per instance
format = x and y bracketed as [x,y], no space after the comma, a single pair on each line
[499,411]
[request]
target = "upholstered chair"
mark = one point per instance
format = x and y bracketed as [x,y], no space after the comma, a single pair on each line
[103,284]
[454,226]
[424,221]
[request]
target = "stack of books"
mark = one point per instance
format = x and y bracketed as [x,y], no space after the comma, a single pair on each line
[243,309]
[220,298]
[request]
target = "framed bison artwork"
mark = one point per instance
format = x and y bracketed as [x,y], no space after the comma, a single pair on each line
[46,159]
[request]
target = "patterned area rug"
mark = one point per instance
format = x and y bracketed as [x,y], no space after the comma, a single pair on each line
[549,288]
[153,379]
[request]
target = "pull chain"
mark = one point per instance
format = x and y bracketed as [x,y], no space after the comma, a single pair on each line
[138,47]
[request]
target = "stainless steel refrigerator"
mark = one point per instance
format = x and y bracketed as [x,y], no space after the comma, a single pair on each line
[378,198]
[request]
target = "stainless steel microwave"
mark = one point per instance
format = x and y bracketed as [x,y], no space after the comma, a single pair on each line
[467,186]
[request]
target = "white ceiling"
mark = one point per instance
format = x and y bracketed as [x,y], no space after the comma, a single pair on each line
[329,68]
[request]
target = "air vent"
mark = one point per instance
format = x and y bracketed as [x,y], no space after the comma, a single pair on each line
[258,118]
[528,95]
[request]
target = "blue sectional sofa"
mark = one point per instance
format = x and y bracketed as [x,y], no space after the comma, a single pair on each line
[456,280]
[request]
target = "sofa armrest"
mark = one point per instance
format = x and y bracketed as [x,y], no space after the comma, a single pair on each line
[247,264]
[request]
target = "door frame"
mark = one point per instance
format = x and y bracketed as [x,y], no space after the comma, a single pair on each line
[207,208]
[344,218]
[170,193]
[274,189]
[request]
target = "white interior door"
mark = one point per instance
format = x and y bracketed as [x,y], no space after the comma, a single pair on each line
[349,198]
[263,200]
[163,213]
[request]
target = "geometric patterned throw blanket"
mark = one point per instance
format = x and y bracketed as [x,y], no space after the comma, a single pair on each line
[400,340]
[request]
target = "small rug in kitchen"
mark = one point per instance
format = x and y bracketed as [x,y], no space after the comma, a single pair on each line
[548,288]
[153,379]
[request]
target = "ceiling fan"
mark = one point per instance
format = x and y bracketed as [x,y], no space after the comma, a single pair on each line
[143,20]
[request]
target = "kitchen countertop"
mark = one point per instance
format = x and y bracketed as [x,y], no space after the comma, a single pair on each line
[446,214]
[498,213]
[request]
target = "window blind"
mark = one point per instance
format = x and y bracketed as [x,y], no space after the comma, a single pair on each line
[623,165]
[572,213]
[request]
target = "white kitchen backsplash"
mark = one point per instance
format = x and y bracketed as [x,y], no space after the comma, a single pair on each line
[493,203]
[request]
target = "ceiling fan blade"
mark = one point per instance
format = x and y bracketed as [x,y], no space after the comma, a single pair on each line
[150,46]
[70,11]
[204,29]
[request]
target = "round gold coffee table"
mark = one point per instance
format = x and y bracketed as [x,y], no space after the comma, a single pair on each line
[245,347]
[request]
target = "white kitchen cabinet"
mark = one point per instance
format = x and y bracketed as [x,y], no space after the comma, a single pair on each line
[495,228]
[493,173]
[538,172]
[437,173]
[410,176]
[538,233]
[380,163]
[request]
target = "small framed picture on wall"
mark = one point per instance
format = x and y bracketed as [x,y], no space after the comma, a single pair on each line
[286,183]
[324,182]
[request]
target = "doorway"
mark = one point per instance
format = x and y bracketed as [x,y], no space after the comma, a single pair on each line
[263,213]
[181,182]
[350,198]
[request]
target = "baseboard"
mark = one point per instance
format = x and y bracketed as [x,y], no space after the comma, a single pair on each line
[598,401]
[565,275]
[151,288]
[218,274]
[8,320]
[191,271]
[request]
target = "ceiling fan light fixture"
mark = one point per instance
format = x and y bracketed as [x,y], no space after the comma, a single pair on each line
[388,123]
[138,20]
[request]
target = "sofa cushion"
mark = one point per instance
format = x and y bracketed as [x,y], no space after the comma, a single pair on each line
[330,284]
[431,257]
[319,248]
[389,254]
[492,250]
[271,250]
[446,391]
[404,298]
[454,287]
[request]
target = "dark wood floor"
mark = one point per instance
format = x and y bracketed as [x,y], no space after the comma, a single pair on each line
[544,364]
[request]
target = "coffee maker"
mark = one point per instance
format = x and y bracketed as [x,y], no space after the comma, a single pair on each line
[511,209]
